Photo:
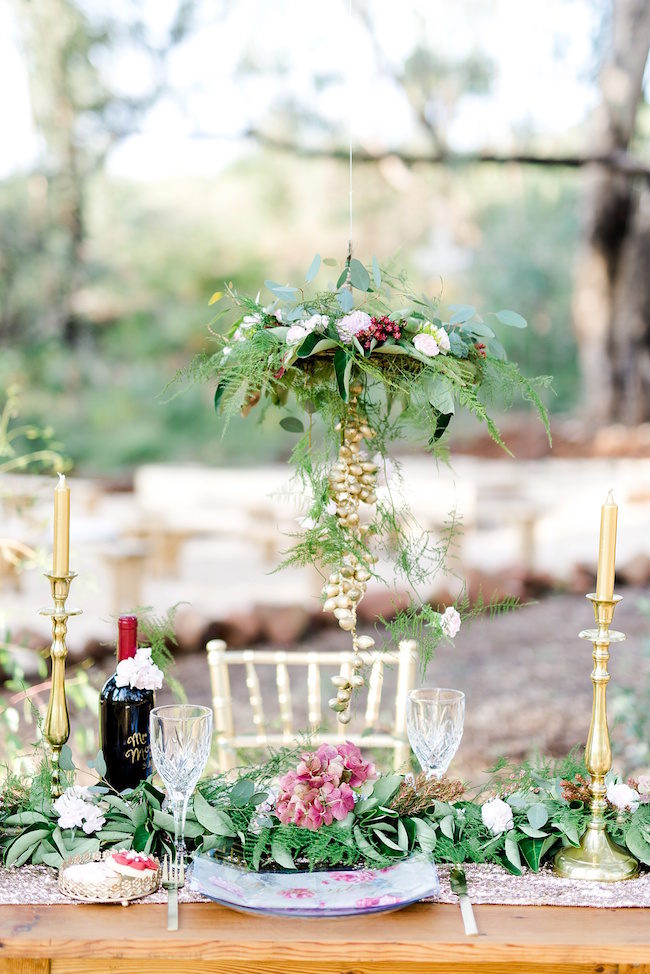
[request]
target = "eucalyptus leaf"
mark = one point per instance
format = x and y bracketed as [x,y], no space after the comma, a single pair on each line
[282,855]
[242,792]
[292,424]
[531,832]
[537,815]
[345,299]
[447,826]
[365,847]
[426,835]
[637,845]
[66,762]
[343,371]
[440,393]
[26,818]
[314,268]
[386,840]
[511,318]
[376,272]
[330,262]
[385,787]
[359,276]
[462,313]
[28,839]
[458,347]
[218,393]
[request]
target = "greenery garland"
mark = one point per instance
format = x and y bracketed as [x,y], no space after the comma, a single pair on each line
[545,803]
[367,356]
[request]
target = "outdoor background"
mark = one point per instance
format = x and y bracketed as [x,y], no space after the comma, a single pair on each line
[153,150]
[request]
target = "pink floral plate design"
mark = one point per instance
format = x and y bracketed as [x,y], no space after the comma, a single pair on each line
[327,894]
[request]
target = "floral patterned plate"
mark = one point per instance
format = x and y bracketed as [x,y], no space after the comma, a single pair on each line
[327,894]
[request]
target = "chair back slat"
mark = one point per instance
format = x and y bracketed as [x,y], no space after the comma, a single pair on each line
[284,696]
[375,685]
[314,713]
[229,740]
[221,702]
[255,697]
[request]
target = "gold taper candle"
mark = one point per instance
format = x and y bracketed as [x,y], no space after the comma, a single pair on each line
[607,549]
[61,555]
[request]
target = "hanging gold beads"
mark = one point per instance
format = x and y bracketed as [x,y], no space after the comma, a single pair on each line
[352,482]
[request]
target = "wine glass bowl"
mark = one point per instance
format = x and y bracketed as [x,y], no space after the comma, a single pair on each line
[181,737]
[434,723]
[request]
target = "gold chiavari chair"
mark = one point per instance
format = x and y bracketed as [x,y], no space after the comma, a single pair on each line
[230,739]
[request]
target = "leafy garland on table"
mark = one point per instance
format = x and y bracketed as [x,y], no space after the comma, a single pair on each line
[270,817]
[376,362]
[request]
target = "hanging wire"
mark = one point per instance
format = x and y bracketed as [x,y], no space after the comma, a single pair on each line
[350,86]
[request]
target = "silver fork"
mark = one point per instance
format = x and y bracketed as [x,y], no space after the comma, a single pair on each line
[173,878]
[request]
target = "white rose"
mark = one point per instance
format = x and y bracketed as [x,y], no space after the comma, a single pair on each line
[442,339]
[350,325]
[497,816]
[139,671]
[296,334]
[70,810]
[426,344]
[316,323]
[450,622]
[622,796]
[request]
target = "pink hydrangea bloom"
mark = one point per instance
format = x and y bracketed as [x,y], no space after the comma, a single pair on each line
[323,786]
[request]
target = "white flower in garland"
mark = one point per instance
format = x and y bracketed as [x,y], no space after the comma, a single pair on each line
[75,813]
[426,344]
[303,328]
[623,797]
[643,785]
[497,816]
[139,671]
[450,621]
[350,325]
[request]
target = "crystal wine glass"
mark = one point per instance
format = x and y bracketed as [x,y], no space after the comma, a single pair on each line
[434,722]
[181,736]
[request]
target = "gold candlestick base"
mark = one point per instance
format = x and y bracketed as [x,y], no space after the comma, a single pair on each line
[56,728]
[597,857]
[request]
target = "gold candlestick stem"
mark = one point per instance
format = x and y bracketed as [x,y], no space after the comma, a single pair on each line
[56,728]
[597,857]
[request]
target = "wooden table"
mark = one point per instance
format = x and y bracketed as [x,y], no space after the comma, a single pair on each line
[422,938]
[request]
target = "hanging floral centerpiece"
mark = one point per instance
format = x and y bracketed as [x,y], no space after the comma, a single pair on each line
[374,361]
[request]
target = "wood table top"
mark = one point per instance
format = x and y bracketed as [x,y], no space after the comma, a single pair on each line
[423,937]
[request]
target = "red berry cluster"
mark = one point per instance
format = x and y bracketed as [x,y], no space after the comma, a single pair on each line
[480,348]
[380,329]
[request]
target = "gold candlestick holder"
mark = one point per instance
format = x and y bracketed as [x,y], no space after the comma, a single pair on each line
[56,728]
[597,857]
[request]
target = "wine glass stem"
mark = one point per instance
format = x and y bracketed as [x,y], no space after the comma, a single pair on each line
[180,804]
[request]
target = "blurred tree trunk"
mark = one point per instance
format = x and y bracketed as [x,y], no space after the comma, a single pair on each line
[611,306]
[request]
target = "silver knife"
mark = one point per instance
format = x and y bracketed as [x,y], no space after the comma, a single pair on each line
[458,883]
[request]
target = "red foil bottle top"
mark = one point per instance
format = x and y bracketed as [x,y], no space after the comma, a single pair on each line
[127,638]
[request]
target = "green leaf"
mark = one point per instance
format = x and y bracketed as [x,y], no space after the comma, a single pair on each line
[530,831]
[496,349]
[442,422]
[27,840]
[376,273]
[534,850]
[343,370]
[282,855]
[218,393]
[99,764]
[292,424]
[345,299]
[512,851]
[462,313]
[458,347]
[385,787]
[570,830]
[65,759]
[52,859]
[314,268]
[330,261]
[26,818]
[511,318]
[242,792]
[426,835]
[84,844]
[447,826]
[389,842]
[212,819]
[259,848]
[366,848]
[309,345]
[440,393]
[537,815]
[478,329]
[283,291]
[140,838]
[637,845]
[402,836]
[359,276]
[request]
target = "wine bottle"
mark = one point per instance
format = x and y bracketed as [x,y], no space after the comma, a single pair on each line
[124,718]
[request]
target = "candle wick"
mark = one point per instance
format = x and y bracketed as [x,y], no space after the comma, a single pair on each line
[61,483]
[609,499]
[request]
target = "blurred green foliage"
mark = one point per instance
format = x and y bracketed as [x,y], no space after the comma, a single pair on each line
[155,252]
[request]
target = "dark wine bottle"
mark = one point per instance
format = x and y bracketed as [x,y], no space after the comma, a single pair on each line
[124,719]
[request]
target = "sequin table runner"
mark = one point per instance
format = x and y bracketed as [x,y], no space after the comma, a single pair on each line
[485,883]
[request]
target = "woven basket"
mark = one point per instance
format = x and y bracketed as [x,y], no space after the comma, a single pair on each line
[128,887]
